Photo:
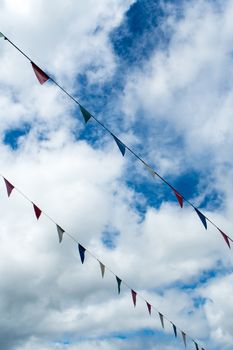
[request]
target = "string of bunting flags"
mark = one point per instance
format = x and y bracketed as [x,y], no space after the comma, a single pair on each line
[82,253]
[43,77]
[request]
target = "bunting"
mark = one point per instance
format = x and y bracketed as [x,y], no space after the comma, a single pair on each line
[161,319]
[226,238]
[41,76]
[196,346]
[179,198]
[102,268]
[9,187]
[1,35]
[134,297]
[184,338]
[60,232]
[85,113]
[37,211]
[148,307]
[174,329]
[81,252]
[120,145]
[202,217]
[118,284]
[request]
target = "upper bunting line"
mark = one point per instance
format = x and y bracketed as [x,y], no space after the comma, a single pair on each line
[43,77]
[10,187]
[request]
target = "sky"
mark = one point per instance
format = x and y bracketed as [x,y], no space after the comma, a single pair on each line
[159,75]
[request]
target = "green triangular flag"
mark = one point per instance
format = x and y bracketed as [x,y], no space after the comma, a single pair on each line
[85,113]
[118,284]
[1,35]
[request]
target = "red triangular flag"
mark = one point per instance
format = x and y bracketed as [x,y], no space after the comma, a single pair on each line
[226,238]
[149,307]
[134,297]
[179,198]
[41,76]
[37,211]
[9,187]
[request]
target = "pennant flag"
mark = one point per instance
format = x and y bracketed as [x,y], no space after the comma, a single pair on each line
[151,171]
[184,338]
[134,297]
[149,307]
[102,268]
[81,252]
[1,35]
[226,238]
[120,145]
[60,232]
[174,329]
[202,218]
[179,198]
[9,187]
[37,211]
[197,348]
[85,113]
[161,319]
[118,284]
[41,76]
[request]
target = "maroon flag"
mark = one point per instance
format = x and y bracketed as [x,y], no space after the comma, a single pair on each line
[37,211]
[9,187]
[134,297]
[179,198]
[41,76]
[148,307]
[226,238]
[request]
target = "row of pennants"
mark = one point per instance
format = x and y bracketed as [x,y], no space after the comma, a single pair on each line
[82,252]
[43,77]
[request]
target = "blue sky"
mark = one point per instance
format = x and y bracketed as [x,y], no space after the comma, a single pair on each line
[158,74]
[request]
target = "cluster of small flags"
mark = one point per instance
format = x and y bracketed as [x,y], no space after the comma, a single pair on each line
[82,251]
[43,77]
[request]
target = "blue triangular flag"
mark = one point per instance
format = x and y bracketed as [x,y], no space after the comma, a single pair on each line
[174,329]
[81,252]
[118,284]
[202,217]
[85,113]
[120,145]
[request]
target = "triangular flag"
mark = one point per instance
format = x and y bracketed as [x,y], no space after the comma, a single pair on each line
[41,76]
[202,217]
[9,187]
[118,284]
[174,329]
[184,338]
[179,198]
[81,252]
[1,35]
[120,145]
[148,307]
[134,297]
[85,113]
[60,232]
[102,268]
[196,346]
[226,238]
[37,211]
[151,171]
[161,319]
